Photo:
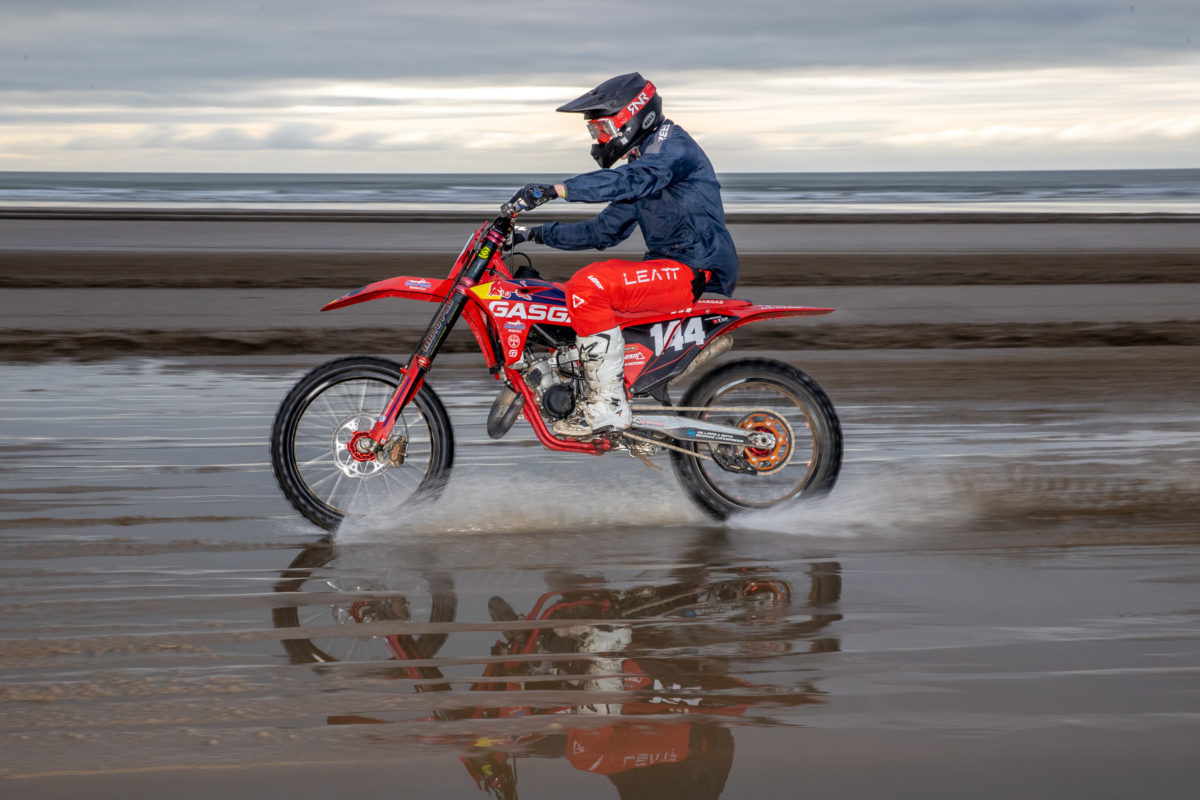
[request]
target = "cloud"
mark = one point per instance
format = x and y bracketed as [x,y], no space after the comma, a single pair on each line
[296,136]
[303,81]
[180,48]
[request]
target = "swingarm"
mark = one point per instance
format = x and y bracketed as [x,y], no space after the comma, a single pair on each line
[688,429]
[760,441]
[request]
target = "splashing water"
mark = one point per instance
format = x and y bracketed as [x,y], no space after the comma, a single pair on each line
[888,503]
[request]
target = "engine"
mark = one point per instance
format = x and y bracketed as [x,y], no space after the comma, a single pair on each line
[556,380]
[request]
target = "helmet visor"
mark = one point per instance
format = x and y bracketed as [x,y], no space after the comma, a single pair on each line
[602,128]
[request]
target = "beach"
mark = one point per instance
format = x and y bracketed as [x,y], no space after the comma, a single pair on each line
[87,257]
[998,597]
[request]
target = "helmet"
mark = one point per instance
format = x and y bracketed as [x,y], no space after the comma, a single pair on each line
[620,113]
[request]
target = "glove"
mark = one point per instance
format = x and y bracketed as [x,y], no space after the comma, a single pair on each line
[532,195]
[522,234]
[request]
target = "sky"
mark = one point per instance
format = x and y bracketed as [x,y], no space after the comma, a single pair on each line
[471,86]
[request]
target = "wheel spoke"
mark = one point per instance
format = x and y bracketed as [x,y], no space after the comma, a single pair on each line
[362,397]
[330,411]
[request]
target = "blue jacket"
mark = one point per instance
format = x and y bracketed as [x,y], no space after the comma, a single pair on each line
[671,192]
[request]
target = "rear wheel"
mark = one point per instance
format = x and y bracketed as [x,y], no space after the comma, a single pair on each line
[316,469]
[767,397]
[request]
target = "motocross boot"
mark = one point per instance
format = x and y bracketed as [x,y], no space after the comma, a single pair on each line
[605,407]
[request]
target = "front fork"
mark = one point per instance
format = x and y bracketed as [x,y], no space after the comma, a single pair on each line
[368,445]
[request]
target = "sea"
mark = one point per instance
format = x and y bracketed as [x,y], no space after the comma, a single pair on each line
[1041,191]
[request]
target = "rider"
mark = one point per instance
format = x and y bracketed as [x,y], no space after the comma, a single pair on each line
[669,189]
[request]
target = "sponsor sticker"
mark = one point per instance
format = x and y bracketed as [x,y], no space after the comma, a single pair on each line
[419,283]
[534,312]
[677,335]
[651,274]
[713,436]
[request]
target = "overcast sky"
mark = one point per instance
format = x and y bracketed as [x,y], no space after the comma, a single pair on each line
[467,85]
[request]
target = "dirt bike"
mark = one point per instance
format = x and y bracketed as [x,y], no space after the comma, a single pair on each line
[359,433]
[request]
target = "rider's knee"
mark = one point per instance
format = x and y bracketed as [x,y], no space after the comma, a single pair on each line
[589,286]
[589,303]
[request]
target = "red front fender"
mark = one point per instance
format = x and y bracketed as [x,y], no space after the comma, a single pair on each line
[431,290]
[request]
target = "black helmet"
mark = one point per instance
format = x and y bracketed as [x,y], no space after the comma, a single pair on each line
[620,113]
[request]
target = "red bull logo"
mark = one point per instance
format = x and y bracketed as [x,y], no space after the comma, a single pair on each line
[508,290]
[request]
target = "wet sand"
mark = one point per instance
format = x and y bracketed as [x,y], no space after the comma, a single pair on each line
[999,598]
[122,283]
[231,250]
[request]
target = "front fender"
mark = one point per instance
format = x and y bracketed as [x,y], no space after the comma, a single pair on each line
[430,290]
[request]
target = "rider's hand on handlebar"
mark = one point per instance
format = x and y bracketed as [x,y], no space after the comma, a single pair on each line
[522,234]
[532,195]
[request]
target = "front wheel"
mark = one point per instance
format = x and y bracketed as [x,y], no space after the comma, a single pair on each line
[313,464]
[770,397]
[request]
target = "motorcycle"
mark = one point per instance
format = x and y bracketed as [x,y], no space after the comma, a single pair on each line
[360,432]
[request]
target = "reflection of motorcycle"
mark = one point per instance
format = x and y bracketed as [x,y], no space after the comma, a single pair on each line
[621,664]
[359,434]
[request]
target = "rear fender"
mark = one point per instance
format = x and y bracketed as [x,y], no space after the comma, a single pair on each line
[431,290]
[659,347]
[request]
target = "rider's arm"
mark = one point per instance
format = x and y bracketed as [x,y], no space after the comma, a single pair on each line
[611,226]
[661,164]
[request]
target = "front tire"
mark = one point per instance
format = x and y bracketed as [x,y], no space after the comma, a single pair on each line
[801,413]
[313,425]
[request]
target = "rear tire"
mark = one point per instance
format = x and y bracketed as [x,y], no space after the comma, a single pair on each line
[312,426]
[809,467]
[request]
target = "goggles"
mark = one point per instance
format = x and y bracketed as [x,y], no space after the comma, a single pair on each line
[604,128]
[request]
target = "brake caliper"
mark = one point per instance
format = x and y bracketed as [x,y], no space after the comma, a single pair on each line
[397,450]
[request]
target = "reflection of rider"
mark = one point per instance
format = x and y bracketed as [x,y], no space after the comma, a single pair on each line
[656,760]
[644,760]
[669,190]
[650,758]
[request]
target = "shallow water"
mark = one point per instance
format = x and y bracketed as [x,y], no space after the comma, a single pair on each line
[1122,190]
[996,593]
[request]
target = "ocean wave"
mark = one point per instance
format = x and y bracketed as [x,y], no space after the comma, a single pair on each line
[1096,190]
